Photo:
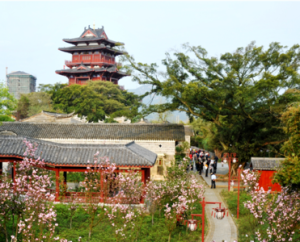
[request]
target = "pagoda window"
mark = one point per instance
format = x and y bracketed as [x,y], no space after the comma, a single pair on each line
[75,53]
[90,52]
[81,44]
[96,52]
[93,43]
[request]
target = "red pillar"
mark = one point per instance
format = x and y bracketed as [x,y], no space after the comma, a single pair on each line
[203,218]
[229,173]
[143,176]
[1,171]
[14,175]
[57,185]
[143,181]
[101,186]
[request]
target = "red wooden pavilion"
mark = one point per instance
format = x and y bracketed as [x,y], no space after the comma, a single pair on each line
[74,157]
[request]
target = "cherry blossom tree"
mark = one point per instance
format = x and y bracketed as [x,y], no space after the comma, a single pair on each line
[280,212]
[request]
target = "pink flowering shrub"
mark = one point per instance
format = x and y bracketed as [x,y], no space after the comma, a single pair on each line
[100,183]
[280,213]
[29,200]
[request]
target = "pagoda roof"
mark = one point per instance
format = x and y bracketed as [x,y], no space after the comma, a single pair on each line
[92,39]
[97,32]
[92,35]
[85,69]
[91,47]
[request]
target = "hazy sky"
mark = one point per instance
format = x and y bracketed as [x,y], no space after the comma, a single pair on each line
[32,32]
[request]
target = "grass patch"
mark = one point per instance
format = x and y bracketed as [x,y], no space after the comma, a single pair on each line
[104,231]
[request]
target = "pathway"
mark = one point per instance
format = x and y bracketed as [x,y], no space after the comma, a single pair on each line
[219,230]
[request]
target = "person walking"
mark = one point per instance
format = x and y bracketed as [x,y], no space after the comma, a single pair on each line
[207,167]
[213,181]
[200,166]
[212,166]
[216,163]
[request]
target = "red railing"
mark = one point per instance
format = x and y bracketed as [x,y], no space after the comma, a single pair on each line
[73,63]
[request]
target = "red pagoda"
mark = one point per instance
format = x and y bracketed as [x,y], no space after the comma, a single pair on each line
[93,58]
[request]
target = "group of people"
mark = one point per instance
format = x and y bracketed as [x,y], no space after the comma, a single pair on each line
[205,163]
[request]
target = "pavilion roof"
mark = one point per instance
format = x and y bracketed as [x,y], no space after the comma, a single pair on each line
[56,154]
[262,163]
[93,39]
[91,47]
[86,69]
[83,131]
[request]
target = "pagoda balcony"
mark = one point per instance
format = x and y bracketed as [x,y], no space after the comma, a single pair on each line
[95,63]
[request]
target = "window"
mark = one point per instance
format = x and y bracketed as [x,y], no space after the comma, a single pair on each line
[160,170]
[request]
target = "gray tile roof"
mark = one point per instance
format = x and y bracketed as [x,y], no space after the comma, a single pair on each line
[92,39]
[261,163]
[56,154]
[189,130]
[59,115]
[91,47]
[96,131]
[110,69]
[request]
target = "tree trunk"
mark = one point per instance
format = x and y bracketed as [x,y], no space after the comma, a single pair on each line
[90,233]
[18,220]
[152,219]
[5,231]
[170,237]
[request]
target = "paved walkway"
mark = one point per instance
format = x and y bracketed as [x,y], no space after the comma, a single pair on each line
[219,230]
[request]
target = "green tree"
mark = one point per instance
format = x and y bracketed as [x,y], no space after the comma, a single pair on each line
[96,100]
[33,103]
[7,103]
[240,92]
[289,172]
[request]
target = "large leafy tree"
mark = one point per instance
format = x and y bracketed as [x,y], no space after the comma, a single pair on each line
[289,172]
[8,103]
[96,100]
[240,93]
[33,103]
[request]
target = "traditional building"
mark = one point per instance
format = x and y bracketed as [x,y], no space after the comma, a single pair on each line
[19,82]
[93,58]
[160,139]
[74,157]
[267,168]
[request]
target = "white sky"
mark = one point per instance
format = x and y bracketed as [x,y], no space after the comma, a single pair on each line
[32,32]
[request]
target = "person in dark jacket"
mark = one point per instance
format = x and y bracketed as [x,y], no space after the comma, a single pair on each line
[216,163]
[208,164]
[200,166]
